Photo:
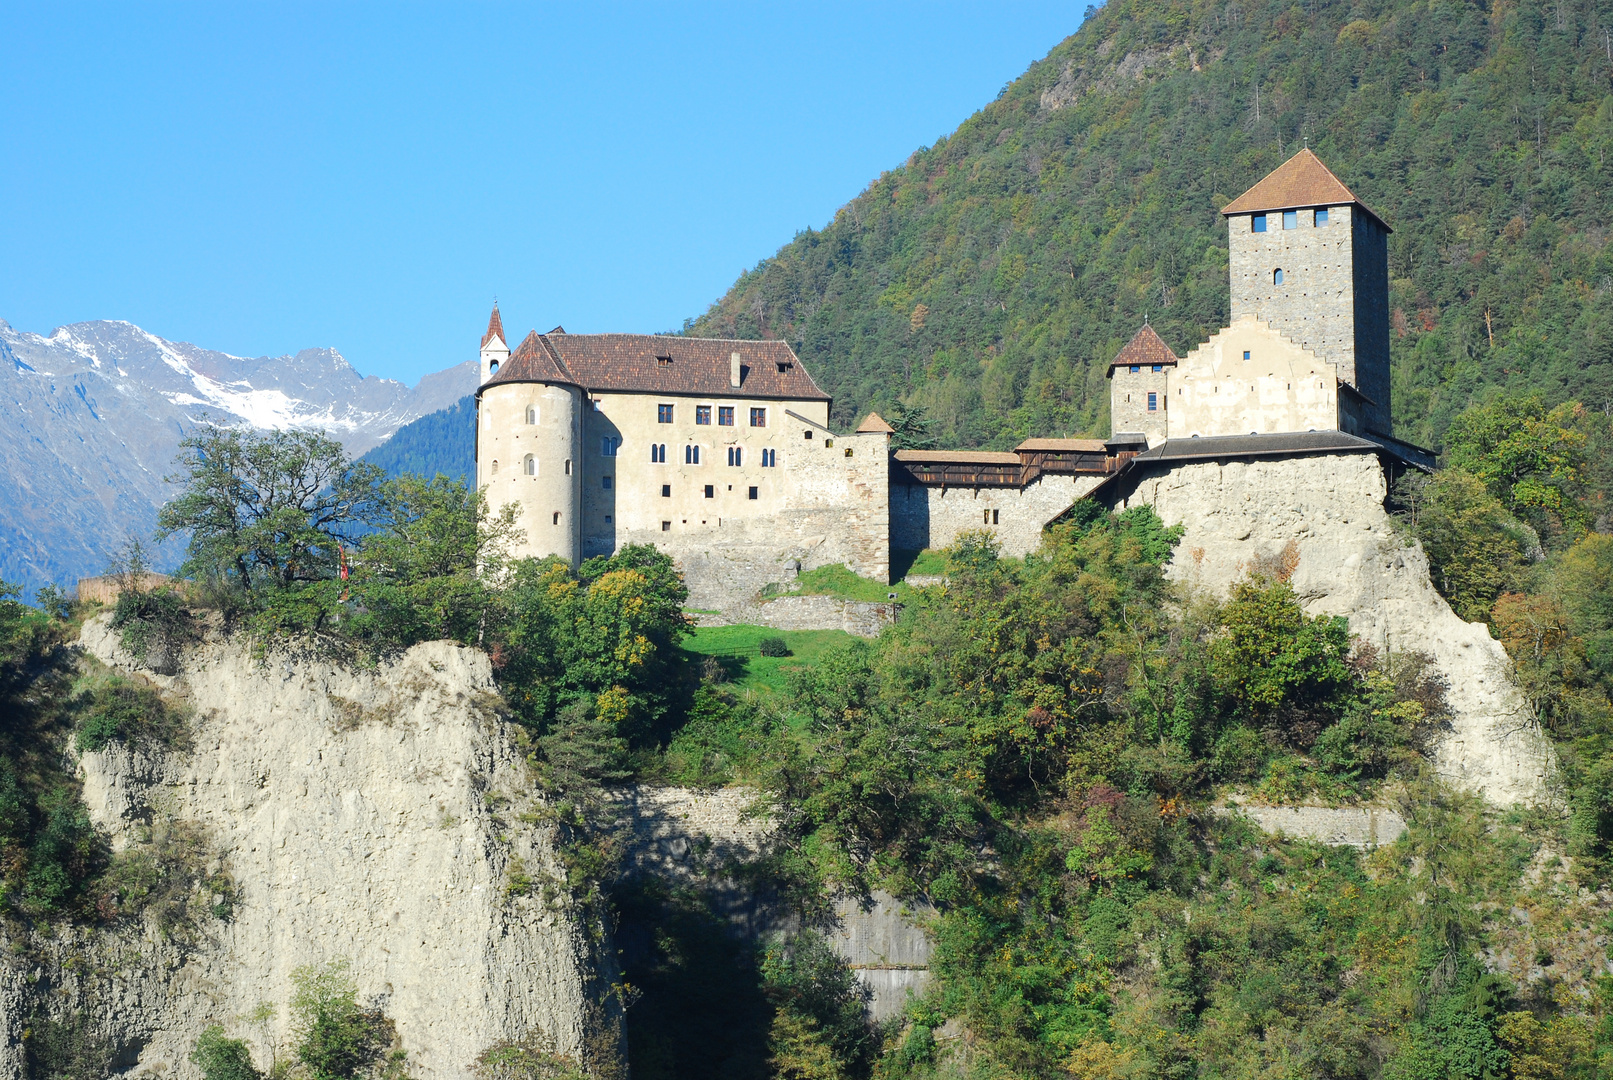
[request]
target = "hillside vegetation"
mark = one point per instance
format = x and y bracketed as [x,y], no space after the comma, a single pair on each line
[993,276]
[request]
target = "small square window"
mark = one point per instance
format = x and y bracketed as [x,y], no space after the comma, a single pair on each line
[663,414]
[607,519]
[1290,219]
[1135,369]
[1158,368]
[666,526]
[1320,218]
[752,493]
[1257,223]
[1246,354]
[605,480]
[758,418]
[808,434]
[711,491]
[725,416]
[848,451]
[702,414]
[666,491]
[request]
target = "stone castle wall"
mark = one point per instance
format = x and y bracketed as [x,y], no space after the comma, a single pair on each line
[1128,401]
[922,516]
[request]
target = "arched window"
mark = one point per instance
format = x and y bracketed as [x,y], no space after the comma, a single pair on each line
[1277,276]
[531,465]
[691,455]
[492,369]
[532,414]
[494,470]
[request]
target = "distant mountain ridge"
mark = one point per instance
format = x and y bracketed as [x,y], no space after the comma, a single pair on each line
[96,411]
[443,442]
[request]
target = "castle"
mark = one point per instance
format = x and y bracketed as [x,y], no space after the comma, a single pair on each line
[721,453]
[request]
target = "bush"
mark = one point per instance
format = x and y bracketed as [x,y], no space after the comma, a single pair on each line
[113,708]
[220,1058]
[532,1058]
[337,1039]
[773,646]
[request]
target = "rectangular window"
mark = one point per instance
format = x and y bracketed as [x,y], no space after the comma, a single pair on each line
[1246,354]
[758,418]
[1321,217]
[725,416]
[663,414]
[666,526]
[702,414]
[608,445]
[1153,401]
[752,493]
[666,491]
[1158,368]
[736,455]
[1258,223]
[1290,219]
[985,517]
[995,520]
[769,459]
[691,455]
[808,434]
[1135,369]
[605,482]
[711,491]
[557,517]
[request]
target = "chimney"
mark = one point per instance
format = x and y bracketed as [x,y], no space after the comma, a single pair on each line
[733,369]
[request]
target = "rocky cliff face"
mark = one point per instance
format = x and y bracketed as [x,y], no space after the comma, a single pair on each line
[1353,563]
[368,815]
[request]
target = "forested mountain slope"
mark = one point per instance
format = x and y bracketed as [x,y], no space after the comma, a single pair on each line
[993,276]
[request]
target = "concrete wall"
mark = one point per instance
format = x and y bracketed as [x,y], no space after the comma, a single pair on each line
[550,498]
[922,516]
[1128,400]
[1281,387]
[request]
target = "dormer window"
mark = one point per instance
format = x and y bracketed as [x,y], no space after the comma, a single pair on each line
[785,366]
[663,361]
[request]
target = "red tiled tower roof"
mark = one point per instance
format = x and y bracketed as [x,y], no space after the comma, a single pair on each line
[1299,182]
[495,328]
[873,423]
[1145,347]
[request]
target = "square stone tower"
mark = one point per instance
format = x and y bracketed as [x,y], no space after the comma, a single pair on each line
[1139,389]
[1310,259]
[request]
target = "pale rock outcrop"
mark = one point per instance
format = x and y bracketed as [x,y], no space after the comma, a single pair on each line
[1352,562]
[363,814]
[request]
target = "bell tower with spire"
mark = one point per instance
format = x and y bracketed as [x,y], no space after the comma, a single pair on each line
[495,352]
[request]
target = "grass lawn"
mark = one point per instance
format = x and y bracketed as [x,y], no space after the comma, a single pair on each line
[736,648]
[840,582]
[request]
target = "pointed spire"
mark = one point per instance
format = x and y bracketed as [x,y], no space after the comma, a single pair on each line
[495,328]
[873,423]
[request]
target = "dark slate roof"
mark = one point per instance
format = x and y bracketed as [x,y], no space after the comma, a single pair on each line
[1145,347]
[660,364]
[1299,182]
[1278,444]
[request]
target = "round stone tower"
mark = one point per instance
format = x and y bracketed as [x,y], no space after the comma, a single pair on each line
[529,444]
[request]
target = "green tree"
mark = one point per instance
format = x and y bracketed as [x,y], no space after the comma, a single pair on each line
[912,424]
[267,515]
[337,1039]
[1530,457]
[1476,549]
[433,568]
[222,1058]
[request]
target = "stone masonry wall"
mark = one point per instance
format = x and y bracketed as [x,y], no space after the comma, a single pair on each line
[932,517]
[1128,401]
[1352,562]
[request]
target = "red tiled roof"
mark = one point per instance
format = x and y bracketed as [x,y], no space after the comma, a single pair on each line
[1068,446]
[1300,181]
[956,457]
[1145,347]
[660,364]
[873,423]
[495,328]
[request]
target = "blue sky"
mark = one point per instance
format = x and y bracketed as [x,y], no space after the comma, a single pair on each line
[260,178]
